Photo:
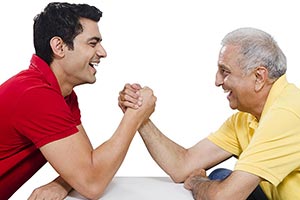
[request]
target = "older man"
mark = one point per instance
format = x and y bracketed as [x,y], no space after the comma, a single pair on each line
[264,134]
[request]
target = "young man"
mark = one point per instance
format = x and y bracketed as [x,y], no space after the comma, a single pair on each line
[264,135]
[40,118]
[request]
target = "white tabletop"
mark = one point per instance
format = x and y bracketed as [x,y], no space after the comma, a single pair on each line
[145,188]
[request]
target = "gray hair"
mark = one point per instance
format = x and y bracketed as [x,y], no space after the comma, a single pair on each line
[257,48]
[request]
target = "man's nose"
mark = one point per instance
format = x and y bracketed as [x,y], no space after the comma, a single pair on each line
[219,79]
[101,51]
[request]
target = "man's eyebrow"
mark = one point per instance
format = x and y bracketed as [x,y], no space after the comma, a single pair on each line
[222,66]
[98,39]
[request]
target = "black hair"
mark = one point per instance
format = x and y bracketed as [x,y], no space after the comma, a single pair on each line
[60,19]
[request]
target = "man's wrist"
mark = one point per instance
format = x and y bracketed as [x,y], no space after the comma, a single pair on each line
[59,180]
[200,184]
[200,179]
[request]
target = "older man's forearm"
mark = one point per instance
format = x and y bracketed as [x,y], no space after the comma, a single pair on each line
[205,189]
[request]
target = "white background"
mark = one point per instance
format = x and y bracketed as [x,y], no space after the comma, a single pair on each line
[171,46]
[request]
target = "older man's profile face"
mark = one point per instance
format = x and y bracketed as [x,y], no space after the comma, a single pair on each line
[230,76]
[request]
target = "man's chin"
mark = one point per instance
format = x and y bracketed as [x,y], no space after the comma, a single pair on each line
[233,107]
[92,82]
[92,79]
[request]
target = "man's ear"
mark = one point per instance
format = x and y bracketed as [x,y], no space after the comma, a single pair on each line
[261,75]
[57,46]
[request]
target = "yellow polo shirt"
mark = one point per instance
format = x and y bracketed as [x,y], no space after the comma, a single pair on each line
[269,148]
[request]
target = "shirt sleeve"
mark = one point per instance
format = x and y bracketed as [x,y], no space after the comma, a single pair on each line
[226,136]
[43,115]
[274,150]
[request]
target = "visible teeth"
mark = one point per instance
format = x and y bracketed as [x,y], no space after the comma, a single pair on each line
[226,91]
[94,64]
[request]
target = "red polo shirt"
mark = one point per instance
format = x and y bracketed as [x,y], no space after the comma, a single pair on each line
[33,113]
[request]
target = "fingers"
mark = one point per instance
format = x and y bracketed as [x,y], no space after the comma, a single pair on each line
[147,92]
[136,86]
[199,172]
[135,97]
[130,97]
[48,192]
[124,104]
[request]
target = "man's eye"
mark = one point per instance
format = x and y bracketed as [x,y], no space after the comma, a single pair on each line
[225,72]
[93,44]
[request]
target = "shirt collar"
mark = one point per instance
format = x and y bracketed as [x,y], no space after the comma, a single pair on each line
[36,63]
[276,89]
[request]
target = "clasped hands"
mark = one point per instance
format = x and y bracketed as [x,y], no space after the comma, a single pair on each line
[133,96]
[130,97]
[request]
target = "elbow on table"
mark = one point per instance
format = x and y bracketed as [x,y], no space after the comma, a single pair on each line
[92,191]
[90,187]
[179,175]
[177,179]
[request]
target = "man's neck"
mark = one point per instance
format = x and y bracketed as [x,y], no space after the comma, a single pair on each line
[259,108]
[65,87]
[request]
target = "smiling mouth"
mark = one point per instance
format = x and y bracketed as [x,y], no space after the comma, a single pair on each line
[93,64]
[229,92]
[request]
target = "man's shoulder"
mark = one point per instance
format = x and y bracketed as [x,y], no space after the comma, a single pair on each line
[25,80]
[288,99]
[27,88]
